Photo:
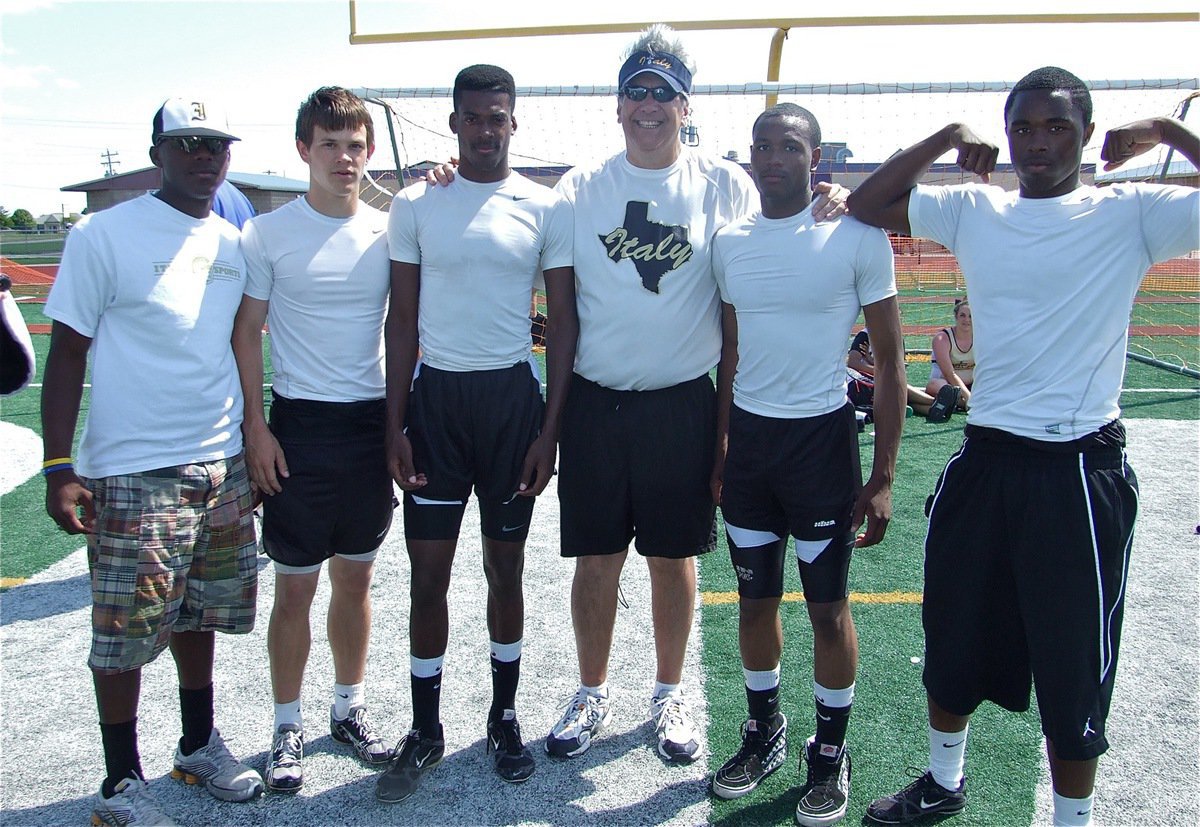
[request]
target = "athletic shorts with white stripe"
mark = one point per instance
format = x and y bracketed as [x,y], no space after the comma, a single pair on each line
[1025,566]
[791,477]
[472,429]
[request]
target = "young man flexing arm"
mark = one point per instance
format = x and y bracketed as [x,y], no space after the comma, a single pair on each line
[1031,524]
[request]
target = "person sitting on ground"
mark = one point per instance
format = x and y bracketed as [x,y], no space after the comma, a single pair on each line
[860,378]
[953,364]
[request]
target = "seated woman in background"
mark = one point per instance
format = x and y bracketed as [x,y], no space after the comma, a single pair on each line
[953,369]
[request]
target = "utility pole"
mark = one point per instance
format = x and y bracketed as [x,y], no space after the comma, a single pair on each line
[108,155]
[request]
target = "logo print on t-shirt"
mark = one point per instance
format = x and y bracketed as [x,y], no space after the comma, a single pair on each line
[656,249]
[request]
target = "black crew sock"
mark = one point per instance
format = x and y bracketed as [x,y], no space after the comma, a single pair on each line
[121,759]
[196,711]
[831,730]
[427,699]
[763,704]
[505,677]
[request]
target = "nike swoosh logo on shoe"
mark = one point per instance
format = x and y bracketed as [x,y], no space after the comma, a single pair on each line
[925,805]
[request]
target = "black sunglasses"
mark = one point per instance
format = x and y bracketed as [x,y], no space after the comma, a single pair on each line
[190,143]
[662,94]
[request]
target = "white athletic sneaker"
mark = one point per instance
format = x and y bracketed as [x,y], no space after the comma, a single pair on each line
[223,775]
[131,804]
[285,762]
[585,717]
[678,739]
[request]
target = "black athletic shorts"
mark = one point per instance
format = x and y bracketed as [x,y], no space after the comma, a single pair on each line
[337,498]
[637,464]
[860,392]
[797,477]
[471,429]
[1025,566]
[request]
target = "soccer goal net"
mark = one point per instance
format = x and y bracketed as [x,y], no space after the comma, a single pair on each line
[862,125]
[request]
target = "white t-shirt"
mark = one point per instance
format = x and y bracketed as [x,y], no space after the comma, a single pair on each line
[649,310]
[797,287]
[327,282]
[1052,282]
[157,291]
[481,248]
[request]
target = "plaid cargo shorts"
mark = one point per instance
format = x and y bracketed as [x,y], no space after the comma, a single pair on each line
[173,551]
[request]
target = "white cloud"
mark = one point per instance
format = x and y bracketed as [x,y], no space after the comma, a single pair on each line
[22,77]
[24,6]
[67,83]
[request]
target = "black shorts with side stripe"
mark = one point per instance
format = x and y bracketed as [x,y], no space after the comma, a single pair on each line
[1025,565]
[638,464]
[472,430]
[337,498]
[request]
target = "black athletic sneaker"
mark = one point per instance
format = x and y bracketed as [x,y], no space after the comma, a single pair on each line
[510,756]
[415,755]
[762,752]
[358,731]
[826,789]
[923,797]
[943,404]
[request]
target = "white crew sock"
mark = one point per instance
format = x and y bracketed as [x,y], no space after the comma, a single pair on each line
[947,755]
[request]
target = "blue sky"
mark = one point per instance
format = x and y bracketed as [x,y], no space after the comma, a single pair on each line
[80,78]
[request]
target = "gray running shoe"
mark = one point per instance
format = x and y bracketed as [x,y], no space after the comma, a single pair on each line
[358,731]
[224,776]
[131,804]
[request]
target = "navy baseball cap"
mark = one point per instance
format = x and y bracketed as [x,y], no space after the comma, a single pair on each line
[664,64]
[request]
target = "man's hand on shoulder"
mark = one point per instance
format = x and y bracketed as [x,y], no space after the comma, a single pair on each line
[830,202]
[442,174]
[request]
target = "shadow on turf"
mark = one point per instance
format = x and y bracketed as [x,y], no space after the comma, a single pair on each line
[38,601]
[70,811]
